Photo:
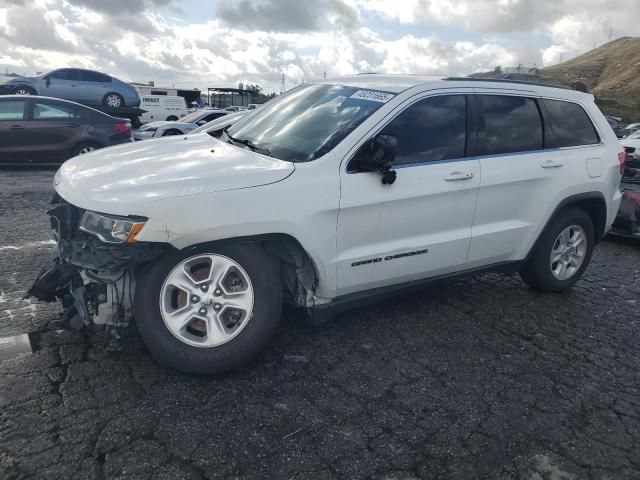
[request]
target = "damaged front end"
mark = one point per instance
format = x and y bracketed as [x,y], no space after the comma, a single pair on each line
[95,280]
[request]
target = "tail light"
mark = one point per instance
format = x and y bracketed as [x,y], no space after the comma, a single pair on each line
[622,159]
[124,127]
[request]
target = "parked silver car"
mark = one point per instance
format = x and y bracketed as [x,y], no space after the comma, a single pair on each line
[83,86]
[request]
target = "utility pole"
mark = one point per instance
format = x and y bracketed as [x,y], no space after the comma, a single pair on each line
[610,33]
[283,88]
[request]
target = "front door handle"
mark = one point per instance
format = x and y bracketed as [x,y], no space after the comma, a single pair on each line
[456,176]
[17,127]
[73,125]
[551,164]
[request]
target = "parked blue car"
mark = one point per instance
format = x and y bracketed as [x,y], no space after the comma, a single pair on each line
[78,85]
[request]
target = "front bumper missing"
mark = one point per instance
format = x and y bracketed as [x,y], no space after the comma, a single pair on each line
[94,281]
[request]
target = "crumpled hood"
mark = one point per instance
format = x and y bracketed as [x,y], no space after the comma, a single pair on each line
[119,179]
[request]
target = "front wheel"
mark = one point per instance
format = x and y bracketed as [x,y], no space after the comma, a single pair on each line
[208,310]
[22,90]
[171,132]
[562,253]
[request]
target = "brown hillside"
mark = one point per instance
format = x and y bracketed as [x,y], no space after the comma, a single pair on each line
[611,72]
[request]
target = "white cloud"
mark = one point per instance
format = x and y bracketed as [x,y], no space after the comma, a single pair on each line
[331,37]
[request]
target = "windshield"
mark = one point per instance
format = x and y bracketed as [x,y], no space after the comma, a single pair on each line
[195,116]
[221,122]
[307,122]
[635,135]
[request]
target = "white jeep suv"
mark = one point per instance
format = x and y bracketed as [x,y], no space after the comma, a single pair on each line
[335,193]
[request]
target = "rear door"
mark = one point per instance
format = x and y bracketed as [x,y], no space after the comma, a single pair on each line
[14,138]
[93,87]
[521,179]
[54,129]
[420,226]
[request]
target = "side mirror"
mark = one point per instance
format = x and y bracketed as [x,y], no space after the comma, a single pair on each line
[377,155]
[47,81]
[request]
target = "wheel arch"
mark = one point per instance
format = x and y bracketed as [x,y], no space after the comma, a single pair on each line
[592,203]
[24,85]
[298,271]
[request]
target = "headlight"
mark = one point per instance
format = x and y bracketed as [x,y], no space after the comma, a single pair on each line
[111,229]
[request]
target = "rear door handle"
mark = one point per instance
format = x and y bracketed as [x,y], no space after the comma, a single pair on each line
[456,176]
[17,127]
[73,125]
[551,164]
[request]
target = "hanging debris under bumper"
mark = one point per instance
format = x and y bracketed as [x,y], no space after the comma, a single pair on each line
[95,281]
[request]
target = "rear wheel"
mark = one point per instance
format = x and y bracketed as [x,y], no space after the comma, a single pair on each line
[562,252]
[86,147]
[172,118]
[113,100]
[22,90]
[208,310]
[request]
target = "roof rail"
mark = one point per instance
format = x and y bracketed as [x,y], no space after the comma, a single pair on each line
[507,80]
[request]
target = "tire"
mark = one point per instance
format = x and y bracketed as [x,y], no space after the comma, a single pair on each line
[113,100]
[23,90]
[85,147]
[171,132]
[172,118]
[183,350]
[541,272]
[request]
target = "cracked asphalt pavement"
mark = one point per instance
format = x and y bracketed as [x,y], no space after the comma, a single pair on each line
[482,378]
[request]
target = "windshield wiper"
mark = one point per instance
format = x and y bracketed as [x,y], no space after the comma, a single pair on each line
[248,143]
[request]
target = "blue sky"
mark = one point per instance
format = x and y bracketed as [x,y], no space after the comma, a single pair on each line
[222,42]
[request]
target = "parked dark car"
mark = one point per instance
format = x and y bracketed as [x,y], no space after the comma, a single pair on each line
[42,130]
[84,86]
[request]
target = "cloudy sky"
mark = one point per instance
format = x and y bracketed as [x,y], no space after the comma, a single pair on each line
[222,42]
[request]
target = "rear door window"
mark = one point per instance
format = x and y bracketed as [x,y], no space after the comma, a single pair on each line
[12,110]
[570,124]
[52,111]
[430,130]
[511,124]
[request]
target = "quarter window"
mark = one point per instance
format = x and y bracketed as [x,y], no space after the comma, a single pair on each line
[512,124]
[570,123]
[42,111]
[12,110]
[432,129]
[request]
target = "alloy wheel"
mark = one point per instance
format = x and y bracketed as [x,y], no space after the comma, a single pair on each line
[113,101]
[568,252]
[206,300]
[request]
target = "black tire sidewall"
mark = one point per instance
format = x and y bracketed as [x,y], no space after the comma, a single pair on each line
[538,269]
[171,352]
[77,148]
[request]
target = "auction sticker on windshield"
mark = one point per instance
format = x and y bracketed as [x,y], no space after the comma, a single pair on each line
[373,96]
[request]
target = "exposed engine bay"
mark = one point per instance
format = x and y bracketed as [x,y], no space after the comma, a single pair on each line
[94,280]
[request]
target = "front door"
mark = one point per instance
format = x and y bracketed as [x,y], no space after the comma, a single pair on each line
[14,138]
[420,226]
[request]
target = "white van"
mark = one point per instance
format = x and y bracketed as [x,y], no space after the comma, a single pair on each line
[162,107]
